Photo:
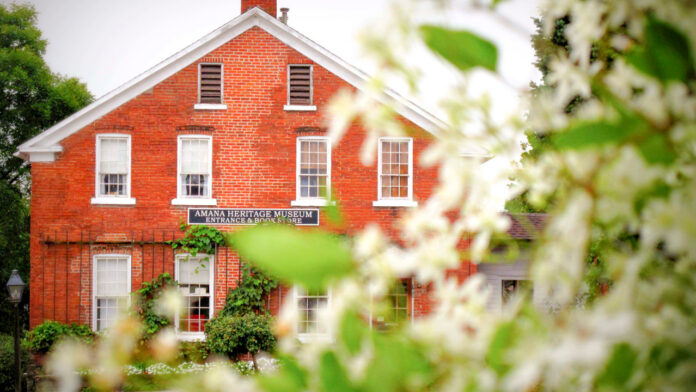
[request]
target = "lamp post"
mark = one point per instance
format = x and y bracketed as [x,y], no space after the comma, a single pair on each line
[16,287]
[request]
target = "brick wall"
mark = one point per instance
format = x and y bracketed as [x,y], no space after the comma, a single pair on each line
[254,152]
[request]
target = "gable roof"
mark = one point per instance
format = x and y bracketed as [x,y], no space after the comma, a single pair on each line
[526,226]
[45,145]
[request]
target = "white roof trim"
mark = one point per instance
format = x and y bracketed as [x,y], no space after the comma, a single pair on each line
[48,140]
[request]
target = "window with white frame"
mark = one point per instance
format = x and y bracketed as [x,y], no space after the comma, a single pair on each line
[313,168]
[195,167]
[395,168]
[113,166]
[309,304]
[397,299]
[111,290]
[194,275]
[504,281]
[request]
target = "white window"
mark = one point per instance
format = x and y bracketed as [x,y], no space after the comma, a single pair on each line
[111,291]
[195,278]
[398,312]
[194,180]
[313,171]
[113,164]
[395,173]
[504,281]
[309,304]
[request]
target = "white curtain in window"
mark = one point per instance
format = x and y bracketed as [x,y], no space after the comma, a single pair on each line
[113,156]
[194,156]
[112,277]
[194,270]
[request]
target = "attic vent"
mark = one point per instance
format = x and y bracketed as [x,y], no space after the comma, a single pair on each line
[300,85]
[210,83]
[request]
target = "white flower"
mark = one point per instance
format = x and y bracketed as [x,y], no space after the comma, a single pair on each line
[569,80]
[586,27]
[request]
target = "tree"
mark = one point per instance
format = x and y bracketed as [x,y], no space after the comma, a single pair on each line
[32,98]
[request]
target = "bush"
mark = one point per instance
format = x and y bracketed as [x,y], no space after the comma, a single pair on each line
[237,335]
[42,338]
[195,352]
[7,369]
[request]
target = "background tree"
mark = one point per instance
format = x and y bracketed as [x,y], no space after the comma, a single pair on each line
[32,98]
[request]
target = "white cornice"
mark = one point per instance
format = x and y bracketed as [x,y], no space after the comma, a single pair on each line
[48,141]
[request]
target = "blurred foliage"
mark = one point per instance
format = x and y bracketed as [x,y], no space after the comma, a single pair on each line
[310,258]
[7,364]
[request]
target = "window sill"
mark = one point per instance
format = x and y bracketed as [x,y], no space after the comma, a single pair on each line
[181,201]
[191,336]
[312,203]
[395,203]
[119,201]
[300,108]
[318,337]
[210,106]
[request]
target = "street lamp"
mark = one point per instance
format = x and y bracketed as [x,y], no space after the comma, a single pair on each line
[16,287]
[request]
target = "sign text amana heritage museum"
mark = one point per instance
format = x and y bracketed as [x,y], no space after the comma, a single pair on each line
[249,216]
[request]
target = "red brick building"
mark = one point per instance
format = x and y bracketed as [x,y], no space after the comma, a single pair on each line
[234,124]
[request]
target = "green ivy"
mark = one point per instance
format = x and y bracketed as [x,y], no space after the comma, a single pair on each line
[198,238]
[249,295]
[42,338]
[145,300]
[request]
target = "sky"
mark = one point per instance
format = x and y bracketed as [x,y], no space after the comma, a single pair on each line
[105,43]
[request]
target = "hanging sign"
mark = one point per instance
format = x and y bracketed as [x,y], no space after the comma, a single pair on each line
[252,216]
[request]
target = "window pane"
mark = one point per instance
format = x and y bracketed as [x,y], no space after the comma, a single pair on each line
[111,289]
[313,170]
[194,156]
[394,170]
[193,276]
[308,305]
[113,155]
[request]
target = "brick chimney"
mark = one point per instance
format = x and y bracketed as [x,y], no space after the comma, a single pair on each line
[270,6]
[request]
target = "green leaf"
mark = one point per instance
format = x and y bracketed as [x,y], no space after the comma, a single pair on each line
[290,378]
[397,365]
[587,134]
[620,366]
[332,377]
[502,339]
[668,49]
[659,190]
[310,258]
[656,150]
[463,49]
[352,332]
[666,54]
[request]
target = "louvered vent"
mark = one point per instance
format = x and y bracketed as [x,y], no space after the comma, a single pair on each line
[211,83]
[300,86]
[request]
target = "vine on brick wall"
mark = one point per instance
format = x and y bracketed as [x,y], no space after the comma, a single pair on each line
[146,299]
[249,295]
[198,238]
